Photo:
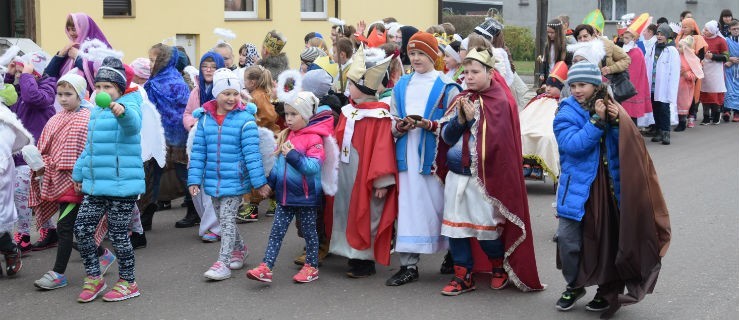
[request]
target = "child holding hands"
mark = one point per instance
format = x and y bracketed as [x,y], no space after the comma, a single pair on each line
[296,179]
[225,158]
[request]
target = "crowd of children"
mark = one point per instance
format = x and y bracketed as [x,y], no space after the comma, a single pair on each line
[386,140]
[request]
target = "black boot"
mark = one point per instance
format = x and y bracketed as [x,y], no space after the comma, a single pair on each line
[405,275]
[658,137]
[447,266]
[652,132]
[190,219]
[138,240]
[715,115]
[682,122]
[362,269]
[147,216]
[665,137]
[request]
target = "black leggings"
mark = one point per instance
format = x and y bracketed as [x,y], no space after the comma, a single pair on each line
[65,230]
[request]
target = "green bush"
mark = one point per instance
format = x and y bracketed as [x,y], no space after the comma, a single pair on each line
[518,39]
[521,43]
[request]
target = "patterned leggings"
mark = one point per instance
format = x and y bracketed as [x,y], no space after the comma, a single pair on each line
[119,217]
[226,209]
[22,190]
[283,217]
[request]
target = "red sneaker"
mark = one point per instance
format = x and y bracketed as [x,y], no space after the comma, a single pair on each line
[261,273]
[306,274]
[13,262]
[499,279]
[461,283]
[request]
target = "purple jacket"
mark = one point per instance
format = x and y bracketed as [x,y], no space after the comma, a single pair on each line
[35,104]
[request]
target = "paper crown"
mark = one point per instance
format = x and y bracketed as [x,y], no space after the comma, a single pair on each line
[560,71]
[274,45]
[367,73]
[442,39]
[332,68]
[637,25]
[489,28]
[595,19]
[482,56]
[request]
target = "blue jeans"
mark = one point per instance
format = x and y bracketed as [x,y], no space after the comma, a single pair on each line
[661,114]
[461,249]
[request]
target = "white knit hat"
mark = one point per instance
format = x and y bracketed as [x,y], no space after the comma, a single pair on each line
[78,83]
[306,104]
[224,79]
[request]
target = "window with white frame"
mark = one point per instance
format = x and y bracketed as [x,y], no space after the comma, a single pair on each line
[240,9]
[612,9]
[313,9]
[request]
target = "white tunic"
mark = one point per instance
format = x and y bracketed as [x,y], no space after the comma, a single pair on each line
[421,197]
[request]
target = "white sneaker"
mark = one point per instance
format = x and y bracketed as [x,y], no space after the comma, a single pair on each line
[237,259]
[218,271]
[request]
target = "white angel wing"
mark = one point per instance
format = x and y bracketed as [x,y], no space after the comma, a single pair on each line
[330,169]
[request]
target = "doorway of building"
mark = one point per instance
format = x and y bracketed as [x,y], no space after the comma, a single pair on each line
[190,43]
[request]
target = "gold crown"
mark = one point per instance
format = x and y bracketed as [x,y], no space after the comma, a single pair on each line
[482,56]
[367,77]
[274,45]
[332,68]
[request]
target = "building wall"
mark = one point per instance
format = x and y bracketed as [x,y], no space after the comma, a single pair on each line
[154,21]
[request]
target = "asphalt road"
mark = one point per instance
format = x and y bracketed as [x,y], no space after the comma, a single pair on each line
[699,174]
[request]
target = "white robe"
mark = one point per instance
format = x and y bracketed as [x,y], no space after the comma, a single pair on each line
[668,80]
[421,197]
[537,133]
[14,138]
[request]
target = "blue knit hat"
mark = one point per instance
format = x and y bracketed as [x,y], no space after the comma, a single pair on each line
[584,71]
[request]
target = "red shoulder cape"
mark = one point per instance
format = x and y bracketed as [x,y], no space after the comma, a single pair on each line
[498,167]
[374,143]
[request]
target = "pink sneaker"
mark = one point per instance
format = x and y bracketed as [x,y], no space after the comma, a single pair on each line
[122,290]
[306,274]
[691,122]
[237,259]
[91,289]
[261,273]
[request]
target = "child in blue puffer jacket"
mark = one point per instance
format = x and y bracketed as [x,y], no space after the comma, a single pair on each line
[225,159]
[110,174]
[296,179]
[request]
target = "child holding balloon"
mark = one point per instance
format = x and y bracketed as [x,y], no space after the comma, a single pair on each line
[110,174]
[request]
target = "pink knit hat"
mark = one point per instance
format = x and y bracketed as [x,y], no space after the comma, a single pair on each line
[141,67]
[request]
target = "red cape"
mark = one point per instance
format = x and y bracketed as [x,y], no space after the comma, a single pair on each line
[374,143]
[498,168]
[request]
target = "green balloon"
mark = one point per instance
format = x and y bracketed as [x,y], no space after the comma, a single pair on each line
[103,100]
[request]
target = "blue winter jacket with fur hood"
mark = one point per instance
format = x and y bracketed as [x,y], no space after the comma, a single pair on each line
[225,158]
[579,154]
[110,165]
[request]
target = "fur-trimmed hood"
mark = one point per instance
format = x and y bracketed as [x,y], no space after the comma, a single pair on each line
[22,136]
